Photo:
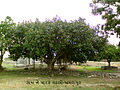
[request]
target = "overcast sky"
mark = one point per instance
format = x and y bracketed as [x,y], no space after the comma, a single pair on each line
[21,10]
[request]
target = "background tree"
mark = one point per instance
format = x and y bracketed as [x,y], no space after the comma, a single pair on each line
[111,53]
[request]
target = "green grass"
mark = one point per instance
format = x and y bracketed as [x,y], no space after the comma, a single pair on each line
[13,78]
[17,80]
[97,69]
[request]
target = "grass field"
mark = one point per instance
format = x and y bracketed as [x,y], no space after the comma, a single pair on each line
[13,78]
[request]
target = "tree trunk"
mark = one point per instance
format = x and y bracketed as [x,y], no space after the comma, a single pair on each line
[1,64]
[33,63]
[50,65]
[1,59]
[109,63]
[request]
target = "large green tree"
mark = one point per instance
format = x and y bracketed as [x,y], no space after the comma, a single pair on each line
[56,40]
[6,28]
[70,41]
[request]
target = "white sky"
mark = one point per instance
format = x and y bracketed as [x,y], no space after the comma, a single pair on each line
[21,10]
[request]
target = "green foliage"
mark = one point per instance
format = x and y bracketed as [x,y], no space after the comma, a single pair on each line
[56,40]
[6,28]
[5,32]
[110,53]
[110,10]
[16,46]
